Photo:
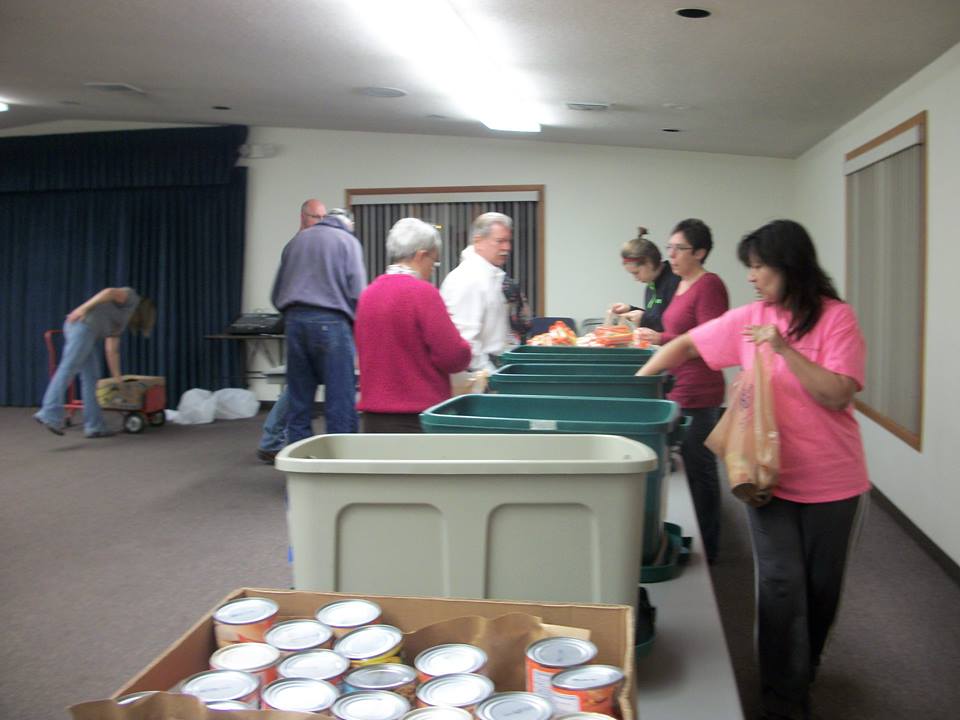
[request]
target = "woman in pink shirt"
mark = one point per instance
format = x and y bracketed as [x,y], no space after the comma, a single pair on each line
[406,342]
[700,296]
[802,537]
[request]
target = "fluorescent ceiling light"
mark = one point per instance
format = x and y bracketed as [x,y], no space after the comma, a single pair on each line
[433,35]
[4,107]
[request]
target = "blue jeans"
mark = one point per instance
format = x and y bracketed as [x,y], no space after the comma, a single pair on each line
[274,435]
[81,354]
[319,350]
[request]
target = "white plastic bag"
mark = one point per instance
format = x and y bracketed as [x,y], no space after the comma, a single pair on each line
[196,407]
[236,403]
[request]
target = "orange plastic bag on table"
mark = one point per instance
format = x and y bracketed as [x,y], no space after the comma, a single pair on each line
[746,437]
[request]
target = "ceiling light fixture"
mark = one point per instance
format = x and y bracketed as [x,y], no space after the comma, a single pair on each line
[693,13]
[382,92]
[4,107]
[447,52]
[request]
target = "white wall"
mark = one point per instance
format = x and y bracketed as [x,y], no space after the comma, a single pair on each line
[595,199]
[924,485]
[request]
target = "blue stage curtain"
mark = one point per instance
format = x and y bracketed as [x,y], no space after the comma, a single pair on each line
[162,211]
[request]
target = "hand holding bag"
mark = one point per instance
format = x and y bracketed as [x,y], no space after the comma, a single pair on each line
[746,437]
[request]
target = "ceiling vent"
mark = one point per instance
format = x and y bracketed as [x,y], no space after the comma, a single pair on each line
[588,106]
[114,87]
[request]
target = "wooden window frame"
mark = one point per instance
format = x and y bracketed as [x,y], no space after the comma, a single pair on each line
[919,121]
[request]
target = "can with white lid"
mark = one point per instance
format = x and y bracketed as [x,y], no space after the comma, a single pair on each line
[229,705]
[395,677]
[438,712]
[449,659]
[515,706]
[371,644]
[463,690]
[245,619]
[299,695]
[218,685]
[343,616]
[252,657]
[292,636]
[316,664]
[371,705]
[588,688]
[547,657]
[583,716]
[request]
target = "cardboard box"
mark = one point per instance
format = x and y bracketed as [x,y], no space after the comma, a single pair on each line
[132,392]
[610,626]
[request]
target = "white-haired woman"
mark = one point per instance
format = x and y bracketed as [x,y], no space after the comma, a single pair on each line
[406,342]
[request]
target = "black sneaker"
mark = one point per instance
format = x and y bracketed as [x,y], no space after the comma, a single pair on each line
[266,456]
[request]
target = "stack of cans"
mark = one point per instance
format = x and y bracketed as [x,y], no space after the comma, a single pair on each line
[346,664]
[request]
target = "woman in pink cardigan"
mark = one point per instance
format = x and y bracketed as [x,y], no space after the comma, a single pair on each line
[407,344]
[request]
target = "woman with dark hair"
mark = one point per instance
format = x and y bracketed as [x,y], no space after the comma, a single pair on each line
[700,296]
[641,258]
[802,537]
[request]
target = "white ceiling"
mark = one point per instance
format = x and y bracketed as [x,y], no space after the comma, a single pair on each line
[758,77]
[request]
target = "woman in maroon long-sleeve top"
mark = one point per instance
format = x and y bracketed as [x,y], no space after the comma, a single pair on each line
[701,296]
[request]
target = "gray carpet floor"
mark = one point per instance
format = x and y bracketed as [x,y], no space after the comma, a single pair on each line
[110,549]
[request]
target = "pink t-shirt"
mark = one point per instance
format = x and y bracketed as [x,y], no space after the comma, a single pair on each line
[821,453]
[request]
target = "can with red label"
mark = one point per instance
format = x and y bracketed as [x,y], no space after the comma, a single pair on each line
[463,690]
[401,679]
[371,644]
[244,620]
[259,659]
[588,688]
[515,706]
[547,657]
[316,664]
[219,685]
[299,695]
[343,616]
[371,705]
[449,659]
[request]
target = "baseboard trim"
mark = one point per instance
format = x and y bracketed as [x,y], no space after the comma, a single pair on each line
[951,568]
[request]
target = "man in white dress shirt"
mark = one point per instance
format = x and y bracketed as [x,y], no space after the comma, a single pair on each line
[473,291]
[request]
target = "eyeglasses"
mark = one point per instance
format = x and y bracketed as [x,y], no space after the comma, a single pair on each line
[676,248]
[315,217]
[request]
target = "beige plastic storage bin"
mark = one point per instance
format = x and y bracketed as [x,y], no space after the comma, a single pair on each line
[518,517]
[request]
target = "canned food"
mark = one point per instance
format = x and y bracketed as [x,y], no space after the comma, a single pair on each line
[463,690]
[216,685]
[401,679]
[244,620]
[449,659]
[316,664]
[346,615]
[259,659]
[371,644]
[371,705]
[547,657]
[133,697]
[584,716]
[515,706]
[292,636]
[229,705]
[438,712]
[299,695]
[589,688]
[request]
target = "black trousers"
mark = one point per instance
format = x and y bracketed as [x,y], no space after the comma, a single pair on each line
[391,422]
[800,554]
[700,465]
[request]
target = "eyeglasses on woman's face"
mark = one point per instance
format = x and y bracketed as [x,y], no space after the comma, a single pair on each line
[672,248]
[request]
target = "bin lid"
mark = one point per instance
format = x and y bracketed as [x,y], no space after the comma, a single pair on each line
[467,454]
[588,372]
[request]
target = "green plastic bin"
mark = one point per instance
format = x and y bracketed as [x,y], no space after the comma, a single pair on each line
[578,380]
[574,354]
[655,423]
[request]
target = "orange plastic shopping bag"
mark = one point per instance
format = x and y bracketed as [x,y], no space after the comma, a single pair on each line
[746,437]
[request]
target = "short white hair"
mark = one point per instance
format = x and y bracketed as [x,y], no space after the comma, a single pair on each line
[409,235]
[484,223]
